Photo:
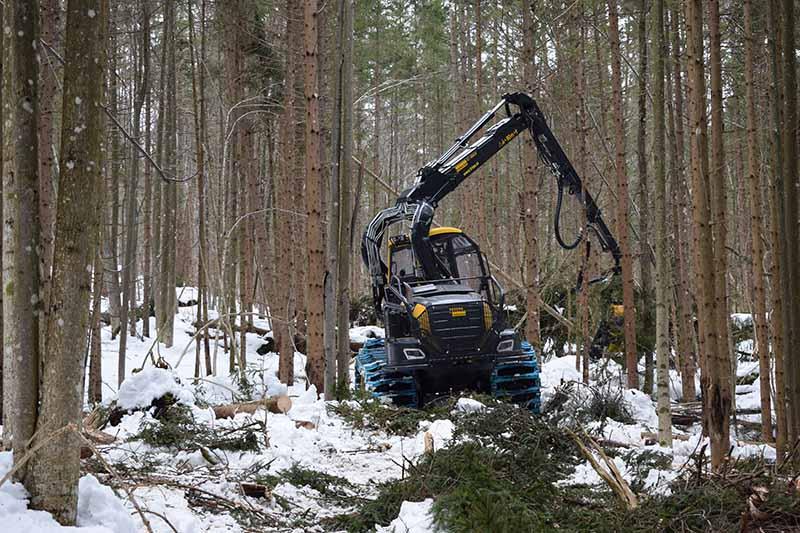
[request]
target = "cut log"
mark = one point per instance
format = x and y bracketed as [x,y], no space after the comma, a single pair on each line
[277,404]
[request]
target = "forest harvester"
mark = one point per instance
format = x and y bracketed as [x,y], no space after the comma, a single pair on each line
[443,311]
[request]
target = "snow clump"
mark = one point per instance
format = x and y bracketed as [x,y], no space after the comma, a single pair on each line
[139,390]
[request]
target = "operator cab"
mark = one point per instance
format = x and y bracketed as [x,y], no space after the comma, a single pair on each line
[459,258]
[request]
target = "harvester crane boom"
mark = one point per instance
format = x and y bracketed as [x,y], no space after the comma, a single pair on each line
[442,176]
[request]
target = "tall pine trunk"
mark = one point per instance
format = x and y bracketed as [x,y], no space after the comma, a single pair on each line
[631,359]
[530,188]
[314,239]
[790,213]
[662,268]
[756,230]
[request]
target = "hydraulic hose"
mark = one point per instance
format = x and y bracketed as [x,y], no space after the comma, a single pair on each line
[557,222]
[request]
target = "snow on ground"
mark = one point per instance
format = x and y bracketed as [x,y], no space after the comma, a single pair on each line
[99,509]
[168,484]
[360,334]
[414,517]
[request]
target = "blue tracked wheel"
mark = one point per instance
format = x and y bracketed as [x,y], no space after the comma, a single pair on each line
[370,375]
[518,381]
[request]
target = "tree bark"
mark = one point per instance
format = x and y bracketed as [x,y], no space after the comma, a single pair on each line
[631,361]
[776,231]
[286,299]
[662,268]
[333,209]
[170,188]
[56,466]
[790,213]
[314,240]
[345,179]
[685,297]
[644,195]
[22,297]
[131,195]
[720,393]
[530,187]
[95,382]
[756,230]
[50,17]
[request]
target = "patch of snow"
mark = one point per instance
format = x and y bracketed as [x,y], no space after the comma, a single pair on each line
[360,334]
[642,407]
[658,482]
[99,509]
[742,319]
[414,517]
[558,370]
[99,506]
[468,405]
[139,390]
[440,430]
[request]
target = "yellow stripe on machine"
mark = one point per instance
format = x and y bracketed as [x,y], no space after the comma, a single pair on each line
[443,230]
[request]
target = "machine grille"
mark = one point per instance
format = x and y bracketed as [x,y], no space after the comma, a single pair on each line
[458,327]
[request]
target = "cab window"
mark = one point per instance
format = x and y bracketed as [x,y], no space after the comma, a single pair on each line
[402,263]
[470,268]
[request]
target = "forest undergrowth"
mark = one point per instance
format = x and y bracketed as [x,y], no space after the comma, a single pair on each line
[503,472]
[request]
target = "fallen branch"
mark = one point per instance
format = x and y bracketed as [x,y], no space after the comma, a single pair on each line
[611,474]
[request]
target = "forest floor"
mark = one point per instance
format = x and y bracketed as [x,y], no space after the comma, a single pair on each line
[358,465]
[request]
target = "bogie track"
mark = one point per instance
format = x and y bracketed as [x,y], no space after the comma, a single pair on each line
[516,381]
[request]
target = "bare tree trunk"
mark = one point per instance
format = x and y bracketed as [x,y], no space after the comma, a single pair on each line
[95,385]
[22,297]
[170,188]
[333,209]
[131,196]
[644,198]
[790,213]
[757,246]
[316,248]
[685,324]
[662,268]
[631,361]
[285,305]
[147,229]
[50,17]
[346,171]
[720,394]
[111,254]
[56,466]
[4,398]
[530,188]
[776,232]
[21,227]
